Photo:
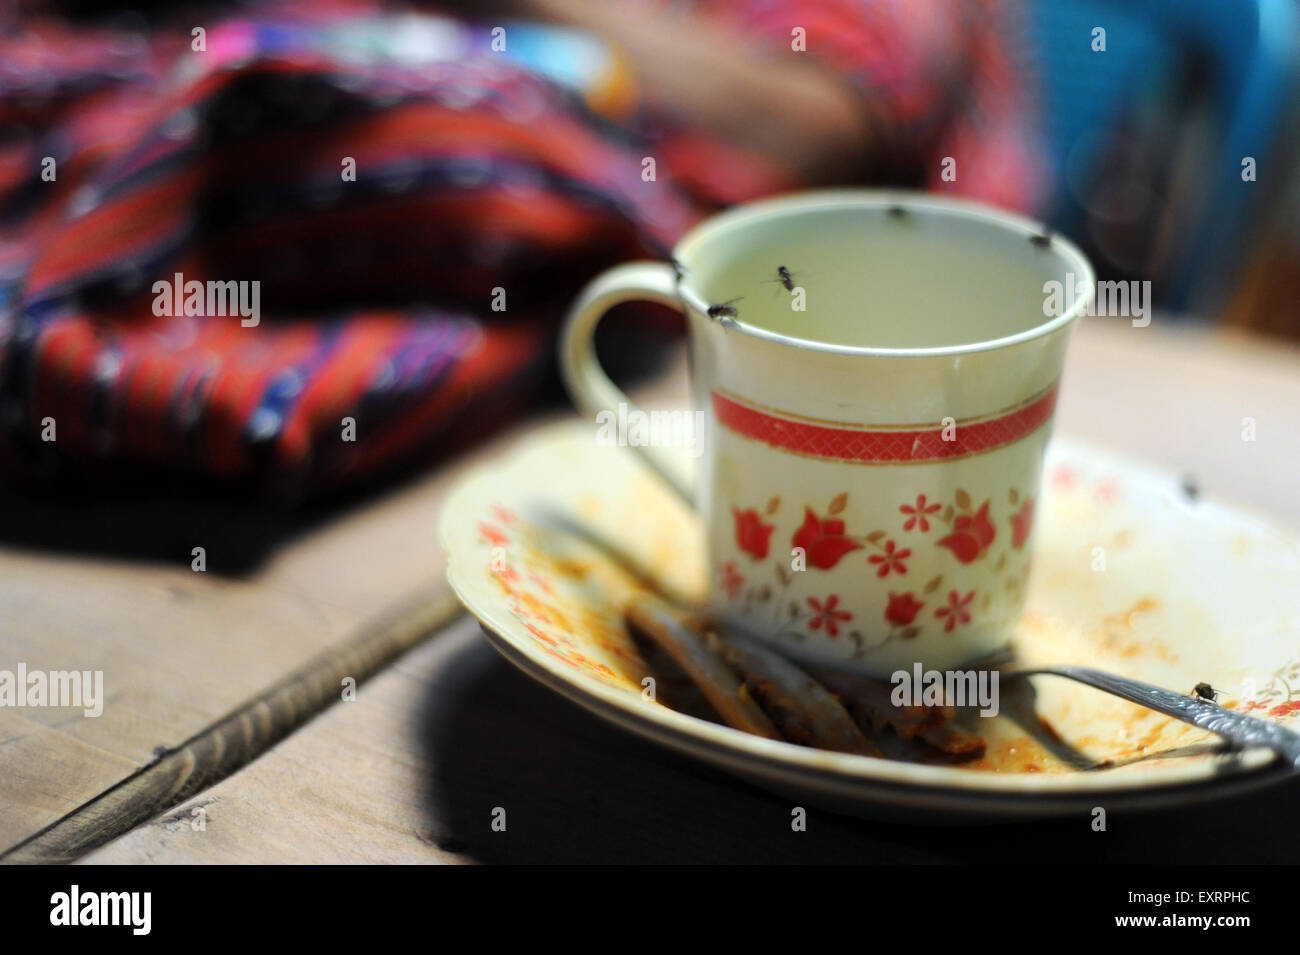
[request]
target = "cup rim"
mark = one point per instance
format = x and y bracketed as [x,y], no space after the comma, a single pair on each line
[1066,250]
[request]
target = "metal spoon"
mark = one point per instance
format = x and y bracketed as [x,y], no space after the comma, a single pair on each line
[1241,731]
[1238,729]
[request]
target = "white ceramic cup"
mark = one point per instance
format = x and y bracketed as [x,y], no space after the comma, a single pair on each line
[875,416]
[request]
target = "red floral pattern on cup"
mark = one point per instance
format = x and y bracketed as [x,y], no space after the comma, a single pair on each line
[918,513]
[955,614]
[1022,523]
[732,579]
[824,542]
[902,608]
[826,614]
[891,559]
[752,534]
[971,535]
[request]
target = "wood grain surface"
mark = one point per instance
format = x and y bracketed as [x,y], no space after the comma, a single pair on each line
[181,650]
[242,736]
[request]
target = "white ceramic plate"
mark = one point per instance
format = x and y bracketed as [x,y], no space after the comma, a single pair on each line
[1129,576]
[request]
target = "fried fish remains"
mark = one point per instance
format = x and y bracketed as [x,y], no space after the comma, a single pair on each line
[678,635]
[758,690]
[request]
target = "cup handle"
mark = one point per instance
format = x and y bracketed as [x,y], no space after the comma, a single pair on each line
[588,385]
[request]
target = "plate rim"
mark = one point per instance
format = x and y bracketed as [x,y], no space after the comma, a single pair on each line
[1011,804]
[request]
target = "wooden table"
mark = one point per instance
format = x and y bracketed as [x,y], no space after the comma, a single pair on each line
[411,770]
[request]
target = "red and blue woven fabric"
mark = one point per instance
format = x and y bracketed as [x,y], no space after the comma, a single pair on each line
[474,177]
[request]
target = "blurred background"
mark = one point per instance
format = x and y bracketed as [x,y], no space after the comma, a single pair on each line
[420,189]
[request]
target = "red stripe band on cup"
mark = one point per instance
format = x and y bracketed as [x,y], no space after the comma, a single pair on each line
[874,445]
